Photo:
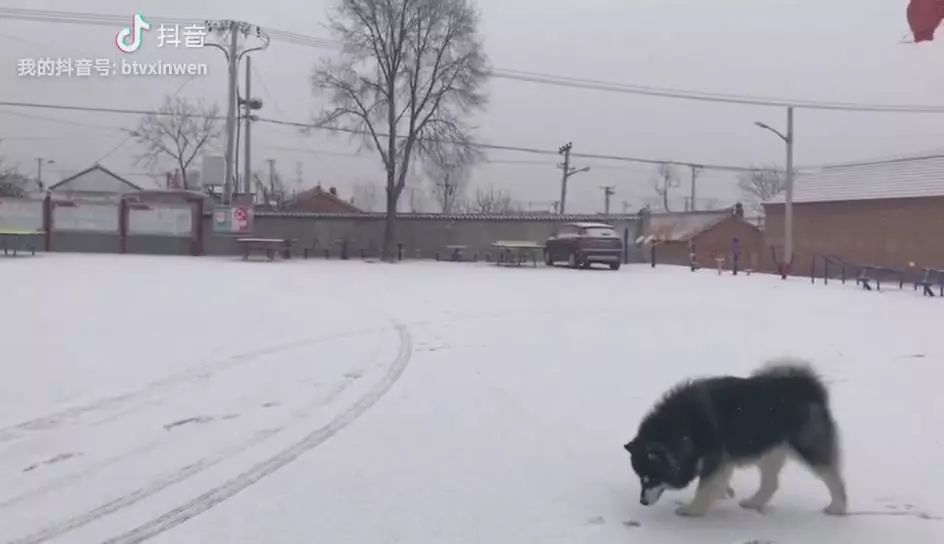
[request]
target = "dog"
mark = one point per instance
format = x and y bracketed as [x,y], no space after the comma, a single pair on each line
[705,428]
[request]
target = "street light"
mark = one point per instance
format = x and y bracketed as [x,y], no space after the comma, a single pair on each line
[39,170]
[788,196]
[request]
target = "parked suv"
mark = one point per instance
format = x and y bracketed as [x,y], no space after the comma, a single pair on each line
[582,244]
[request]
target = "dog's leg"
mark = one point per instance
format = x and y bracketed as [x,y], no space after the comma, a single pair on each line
[817,443]
[709,489]
[770,466]
[837,489]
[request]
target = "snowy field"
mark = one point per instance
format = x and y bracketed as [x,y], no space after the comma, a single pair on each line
[184,400]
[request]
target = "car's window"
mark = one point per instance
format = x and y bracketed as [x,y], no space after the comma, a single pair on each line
[598,232]
[567,231]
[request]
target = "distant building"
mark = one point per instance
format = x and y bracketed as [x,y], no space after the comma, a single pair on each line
[888,213]
[94,181]
[318,200]
[710,234]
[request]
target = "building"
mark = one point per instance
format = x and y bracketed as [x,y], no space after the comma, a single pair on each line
[318,200]
[710,234]
[888,213]
[94,181]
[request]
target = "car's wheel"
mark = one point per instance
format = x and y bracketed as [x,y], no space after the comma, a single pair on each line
[548,259]
[585,264]
[614,266]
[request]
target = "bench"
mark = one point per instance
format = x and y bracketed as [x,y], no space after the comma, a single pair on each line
[456,253]
[27,237]
[510,252]
[932,277]
[868,274]
[268,246]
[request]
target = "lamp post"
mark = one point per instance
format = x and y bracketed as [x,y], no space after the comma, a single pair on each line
[39,170]
[788,138]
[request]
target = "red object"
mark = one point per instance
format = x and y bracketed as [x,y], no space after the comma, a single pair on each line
[924,16]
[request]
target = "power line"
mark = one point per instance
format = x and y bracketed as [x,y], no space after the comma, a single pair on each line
[493,147]
[295,38]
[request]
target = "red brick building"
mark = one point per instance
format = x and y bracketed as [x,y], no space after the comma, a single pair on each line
[710,234]
[888,213]
[318,200]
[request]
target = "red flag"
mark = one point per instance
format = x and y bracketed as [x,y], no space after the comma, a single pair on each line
[924,16]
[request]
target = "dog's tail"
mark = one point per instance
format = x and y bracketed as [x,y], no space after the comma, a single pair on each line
[799,369]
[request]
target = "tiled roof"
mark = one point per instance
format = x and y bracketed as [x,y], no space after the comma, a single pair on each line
[681,227]
[903,178]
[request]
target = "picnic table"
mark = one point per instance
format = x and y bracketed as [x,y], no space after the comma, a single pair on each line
[510,251]
[932,277]
[456,253]
[269,246]
[16,236]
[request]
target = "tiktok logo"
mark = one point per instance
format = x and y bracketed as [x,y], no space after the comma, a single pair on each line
[138,25]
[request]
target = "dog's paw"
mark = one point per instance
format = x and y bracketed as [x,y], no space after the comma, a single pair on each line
[729,493]
[690,511]
[835,510]
[749,504]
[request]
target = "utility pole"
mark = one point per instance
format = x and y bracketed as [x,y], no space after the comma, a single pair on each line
[625,207]
[39,170]
[695,169]
[788,139]
[608,191]
[788,200]
[247,169]
[231,113]
[232,29]
[271,173]
[568,172]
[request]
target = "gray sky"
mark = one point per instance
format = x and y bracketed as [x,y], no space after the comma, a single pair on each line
[846,51]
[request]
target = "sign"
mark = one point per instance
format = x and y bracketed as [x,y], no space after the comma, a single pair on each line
[233,220]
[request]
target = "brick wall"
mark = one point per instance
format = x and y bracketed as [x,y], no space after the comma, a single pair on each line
[717,241]
[888,233]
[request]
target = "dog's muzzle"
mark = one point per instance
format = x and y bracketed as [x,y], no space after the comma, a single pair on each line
[651,495]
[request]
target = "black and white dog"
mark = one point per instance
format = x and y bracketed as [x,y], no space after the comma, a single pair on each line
[705,428]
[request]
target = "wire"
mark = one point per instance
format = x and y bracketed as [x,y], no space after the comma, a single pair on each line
[67,17]
[61,121]
[313,126]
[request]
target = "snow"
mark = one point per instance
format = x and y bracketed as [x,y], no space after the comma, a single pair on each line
[203,400]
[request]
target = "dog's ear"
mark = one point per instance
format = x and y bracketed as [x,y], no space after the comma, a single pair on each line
[630,446]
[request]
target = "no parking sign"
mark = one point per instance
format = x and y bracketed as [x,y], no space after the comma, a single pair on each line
[233,220]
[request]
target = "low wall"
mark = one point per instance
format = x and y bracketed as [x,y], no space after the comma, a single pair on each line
[427,233]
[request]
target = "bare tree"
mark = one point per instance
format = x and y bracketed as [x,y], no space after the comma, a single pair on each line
[666,179]
[448,183]
[180,131]
[490,200]
[760,185]
[12,183]
[408,75]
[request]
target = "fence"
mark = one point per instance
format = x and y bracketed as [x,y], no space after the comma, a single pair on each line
[108,224]
[422,235]
[167,224]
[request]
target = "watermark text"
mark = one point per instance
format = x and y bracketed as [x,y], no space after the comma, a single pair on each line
[47,67]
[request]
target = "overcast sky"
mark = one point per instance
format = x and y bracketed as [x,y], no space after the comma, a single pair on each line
[838,51]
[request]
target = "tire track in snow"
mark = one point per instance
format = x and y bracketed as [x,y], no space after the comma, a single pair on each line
[55,419]
[222,492]
[62,527]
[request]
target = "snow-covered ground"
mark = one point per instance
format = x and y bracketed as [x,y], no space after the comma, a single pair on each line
[188,400]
